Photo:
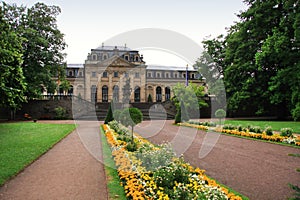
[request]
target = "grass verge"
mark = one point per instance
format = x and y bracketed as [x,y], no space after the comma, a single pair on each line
[22,143]
[115,190]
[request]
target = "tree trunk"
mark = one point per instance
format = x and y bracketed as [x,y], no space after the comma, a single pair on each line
[132,134]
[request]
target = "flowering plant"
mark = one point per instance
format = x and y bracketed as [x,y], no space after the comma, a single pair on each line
[153,172]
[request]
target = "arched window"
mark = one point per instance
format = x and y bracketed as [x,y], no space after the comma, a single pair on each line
[94,93]
[116,93]
[158,94]
[137,94]
[70,73]
[70,90]
[167,93]
[104,93]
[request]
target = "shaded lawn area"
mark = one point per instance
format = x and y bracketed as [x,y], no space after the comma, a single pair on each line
[276,125]
[22,143]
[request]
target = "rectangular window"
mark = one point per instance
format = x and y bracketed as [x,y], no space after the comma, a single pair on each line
[116,74]
[126,75]
[104,74]
[149,75]
[137,75]
[93,74]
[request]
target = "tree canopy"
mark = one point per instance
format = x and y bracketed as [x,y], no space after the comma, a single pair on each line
[259,58]
[42,44]
[191,96]
[12,81]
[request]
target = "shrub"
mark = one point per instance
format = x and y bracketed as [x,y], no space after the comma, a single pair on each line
[296,112]
[257,129]
[117,114]
[178,116]
[131,117]
[269,130]
[131,146]
[220,113]
[152,159]
[286,132]
[60,113]
[150,98]
[109,116]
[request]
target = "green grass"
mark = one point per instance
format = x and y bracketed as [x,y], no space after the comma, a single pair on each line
[115,190]
[276,125]
[22,143]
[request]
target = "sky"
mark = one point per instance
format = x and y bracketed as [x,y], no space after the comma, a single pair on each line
[87,24]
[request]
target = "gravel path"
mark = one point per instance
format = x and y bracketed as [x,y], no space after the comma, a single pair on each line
[256,169]
[70,170]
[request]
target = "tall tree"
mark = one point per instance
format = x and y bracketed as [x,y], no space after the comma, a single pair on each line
[260,52]
[191,97]
[43,46]
[12,83]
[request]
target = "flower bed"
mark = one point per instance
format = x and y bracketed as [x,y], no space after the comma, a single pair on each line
[153,172]
[263,136]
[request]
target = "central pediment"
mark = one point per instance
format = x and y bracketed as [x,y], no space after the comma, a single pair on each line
[116,61]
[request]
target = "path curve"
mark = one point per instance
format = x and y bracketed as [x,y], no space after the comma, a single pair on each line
[67,171]
[256,169]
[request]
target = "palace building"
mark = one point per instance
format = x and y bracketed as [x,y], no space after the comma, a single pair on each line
[118,72]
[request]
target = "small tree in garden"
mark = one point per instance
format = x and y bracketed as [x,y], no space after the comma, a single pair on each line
[150,98]
[109,116]
[178,115]
[220,113]
[117,115]
[131,117]
[181,114]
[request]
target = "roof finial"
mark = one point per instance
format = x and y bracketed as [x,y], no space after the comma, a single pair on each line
[102,44]
[125,45]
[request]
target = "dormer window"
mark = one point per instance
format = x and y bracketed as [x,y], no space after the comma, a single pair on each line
[136,58]
[126,57]
[104,56]
[94,57]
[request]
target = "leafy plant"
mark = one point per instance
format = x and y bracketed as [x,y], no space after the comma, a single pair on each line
[220,113]
[269,130]
[152,159]
[131,117]
[288,132]
[60,113]
[297,192]
[109,116]
[131,146]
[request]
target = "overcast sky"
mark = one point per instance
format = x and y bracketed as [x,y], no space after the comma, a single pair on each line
[86,24]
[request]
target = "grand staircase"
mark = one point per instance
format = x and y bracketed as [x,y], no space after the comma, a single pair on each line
[151,111]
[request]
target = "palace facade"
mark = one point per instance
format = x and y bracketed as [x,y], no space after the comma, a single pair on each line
[117,72]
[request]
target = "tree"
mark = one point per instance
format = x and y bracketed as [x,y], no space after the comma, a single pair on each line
[150,98]
[220,113]
[131,117]
[259,57]
[181,114]
[43,44]
[191,96]
[65,85]
[126,91]
[12,81]
[109,116]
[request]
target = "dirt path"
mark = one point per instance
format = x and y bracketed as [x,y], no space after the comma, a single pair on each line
[256,169]
[70,170]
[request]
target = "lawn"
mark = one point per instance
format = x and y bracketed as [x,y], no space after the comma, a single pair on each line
[22,143]
[276,125]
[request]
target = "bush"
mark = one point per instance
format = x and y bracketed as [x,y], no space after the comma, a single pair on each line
[269,130]
[131,146]
[117,115]
[152,159]
[109,116]
[296,112]
[286,132]
[60,113]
